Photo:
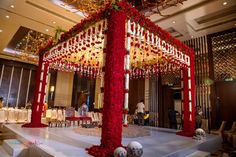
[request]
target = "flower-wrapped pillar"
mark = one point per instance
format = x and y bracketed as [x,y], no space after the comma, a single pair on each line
[39,94]
[127,72]
[188,99]
[113,87]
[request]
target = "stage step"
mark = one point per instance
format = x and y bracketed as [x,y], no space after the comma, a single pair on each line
[3,153]
[14,147]
[199,154]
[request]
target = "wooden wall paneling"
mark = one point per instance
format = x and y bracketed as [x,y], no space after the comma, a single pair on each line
[204,66]
[153,102]
[207,80]
[200,71]
[226,94]
[14,87]
[74,102]
[212,112]
[155,110]
[136,93]
[168,103]
[196,71]
[160,102]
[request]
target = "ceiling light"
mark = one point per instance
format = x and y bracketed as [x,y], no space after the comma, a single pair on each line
[12,6]
[191,36]
[46,30]
[7,16]
[224,3]
[173,22]
[54,22]
[1,30]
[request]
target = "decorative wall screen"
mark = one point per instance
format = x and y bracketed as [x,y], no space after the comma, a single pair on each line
[202,76]
[224,56]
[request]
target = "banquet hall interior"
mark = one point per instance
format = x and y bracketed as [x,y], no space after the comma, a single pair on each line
[62,94]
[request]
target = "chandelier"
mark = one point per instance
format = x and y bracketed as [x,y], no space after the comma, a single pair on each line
[150,7]
[88,6]
[27,47]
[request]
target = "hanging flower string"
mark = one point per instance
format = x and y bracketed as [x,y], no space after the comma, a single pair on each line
[82,53]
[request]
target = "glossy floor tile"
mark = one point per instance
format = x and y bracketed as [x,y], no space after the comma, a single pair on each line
[65,142]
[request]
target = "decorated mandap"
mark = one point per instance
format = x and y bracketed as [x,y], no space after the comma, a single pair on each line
[116,44]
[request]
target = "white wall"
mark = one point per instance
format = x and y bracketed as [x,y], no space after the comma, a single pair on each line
[64,87]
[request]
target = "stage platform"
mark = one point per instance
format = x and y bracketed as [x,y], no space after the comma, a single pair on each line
[65,142]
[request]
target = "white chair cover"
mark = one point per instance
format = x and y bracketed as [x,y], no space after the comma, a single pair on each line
[54,114]
[96,118]
[29,112]
[64,115]
[2,116]
[59,115]
[49,113]
[11,116]
[25,115]
[20,116]
[76,114]
[6,112]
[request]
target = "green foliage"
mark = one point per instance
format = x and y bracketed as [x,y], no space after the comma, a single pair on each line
[58,32]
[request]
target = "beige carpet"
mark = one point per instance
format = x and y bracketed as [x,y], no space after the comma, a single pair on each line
[129,132]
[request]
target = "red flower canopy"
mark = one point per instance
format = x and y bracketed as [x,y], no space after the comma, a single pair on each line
[123,43]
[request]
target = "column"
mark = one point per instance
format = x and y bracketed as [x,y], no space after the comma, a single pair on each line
[39,94]
[113,87]
[188,99]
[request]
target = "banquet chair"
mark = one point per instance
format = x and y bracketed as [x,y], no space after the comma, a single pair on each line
[100,118]
[53,119]
[92,116]
[48,115]
[2,116]
[29,113]
[11,118]
[60,117]
[233,128]
[22,116]
[229,133]
[220,130]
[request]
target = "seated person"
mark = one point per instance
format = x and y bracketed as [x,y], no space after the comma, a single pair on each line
[83,110]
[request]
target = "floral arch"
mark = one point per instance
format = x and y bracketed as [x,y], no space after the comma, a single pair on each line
[116,44]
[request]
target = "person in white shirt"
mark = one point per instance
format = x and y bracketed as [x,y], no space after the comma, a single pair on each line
[84,109]
[140,112]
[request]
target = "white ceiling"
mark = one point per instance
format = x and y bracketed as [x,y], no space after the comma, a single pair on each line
[192,19]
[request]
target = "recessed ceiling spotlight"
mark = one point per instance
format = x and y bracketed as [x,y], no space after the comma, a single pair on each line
[173,22]
[12,6]
[46,30]
[54,22]
[7,16]
[224,3]
[1,30]
[192,36]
